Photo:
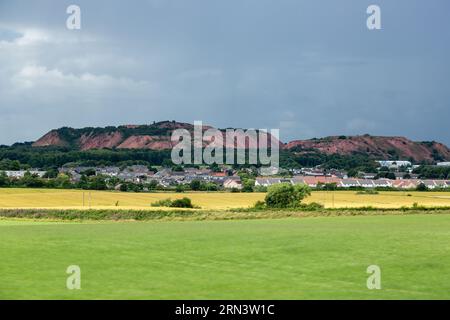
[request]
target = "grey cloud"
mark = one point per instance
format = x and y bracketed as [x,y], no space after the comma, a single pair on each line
[310,68]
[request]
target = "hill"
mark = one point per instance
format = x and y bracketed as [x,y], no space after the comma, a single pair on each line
[157,137]
[376,146]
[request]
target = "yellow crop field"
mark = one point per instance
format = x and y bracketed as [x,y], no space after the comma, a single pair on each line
[77,199]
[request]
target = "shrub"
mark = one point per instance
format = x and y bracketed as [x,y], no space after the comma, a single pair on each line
[182,203]
[368,191]
[162,203]
[285,195]
[179,188]
[421,187]
[260,189]
[313,206]
[259,205]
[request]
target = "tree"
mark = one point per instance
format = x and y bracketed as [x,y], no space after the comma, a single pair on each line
[195,185]
[285,195]
[62,181]
[352,172]
[390,176]
[89,172]
[51,174]
[31,181]
[421,187]
[210,186]
[4,181]
[248,185]
[179,188]
[97,183]
[153,185]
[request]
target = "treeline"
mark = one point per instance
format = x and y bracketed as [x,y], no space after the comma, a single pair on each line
[433,172]
[357,162]
[25,156]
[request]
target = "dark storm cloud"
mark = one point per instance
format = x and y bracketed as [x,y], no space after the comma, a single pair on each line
[310,68]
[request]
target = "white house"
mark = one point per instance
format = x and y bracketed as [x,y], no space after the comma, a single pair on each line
[233,184]
[21,173]
[443,164]
[366,183]
[394,163]
[347,183]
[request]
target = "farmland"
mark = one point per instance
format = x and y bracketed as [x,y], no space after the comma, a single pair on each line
[78,199]
[307,258]
[197,254]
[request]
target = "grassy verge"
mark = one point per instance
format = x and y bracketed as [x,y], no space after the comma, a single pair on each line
[235,214]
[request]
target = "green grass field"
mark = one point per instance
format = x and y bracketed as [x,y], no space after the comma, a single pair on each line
[305,258]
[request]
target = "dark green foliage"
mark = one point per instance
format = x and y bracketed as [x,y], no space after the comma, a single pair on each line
[180,188]
[285,195]
[248,185]
[24,156]
[433,172]
[296,158]
[195,185]
[4,181]
[178,203]
[422,187]
[182,203]
[162,203]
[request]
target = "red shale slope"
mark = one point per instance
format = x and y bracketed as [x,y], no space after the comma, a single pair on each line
[383,147]
[158,137]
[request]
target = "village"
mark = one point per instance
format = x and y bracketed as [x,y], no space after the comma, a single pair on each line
[399,176]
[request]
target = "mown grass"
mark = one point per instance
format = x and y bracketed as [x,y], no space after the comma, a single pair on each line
[310,258]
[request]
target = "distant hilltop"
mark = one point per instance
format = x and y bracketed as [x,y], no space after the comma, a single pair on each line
[157,136]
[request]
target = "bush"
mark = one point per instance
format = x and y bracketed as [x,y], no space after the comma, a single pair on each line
[195,185]
[259,205]
[422,187]
[162,203]
[179,188]
[313,206]
[285,195]
[182,203]
[368,191]
[260,189]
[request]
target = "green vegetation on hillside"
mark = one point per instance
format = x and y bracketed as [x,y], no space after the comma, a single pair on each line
[433,172]
[24,156]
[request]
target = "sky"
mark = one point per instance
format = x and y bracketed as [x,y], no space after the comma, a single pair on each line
[309,68]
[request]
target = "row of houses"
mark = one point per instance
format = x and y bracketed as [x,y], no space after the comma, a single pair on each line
[18,174]
[314,182]
[135,173]
[165,177]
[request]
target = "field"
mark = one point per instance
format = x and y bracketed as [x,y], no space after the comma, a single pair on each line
[305,258]
[46,198]
[291,258]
